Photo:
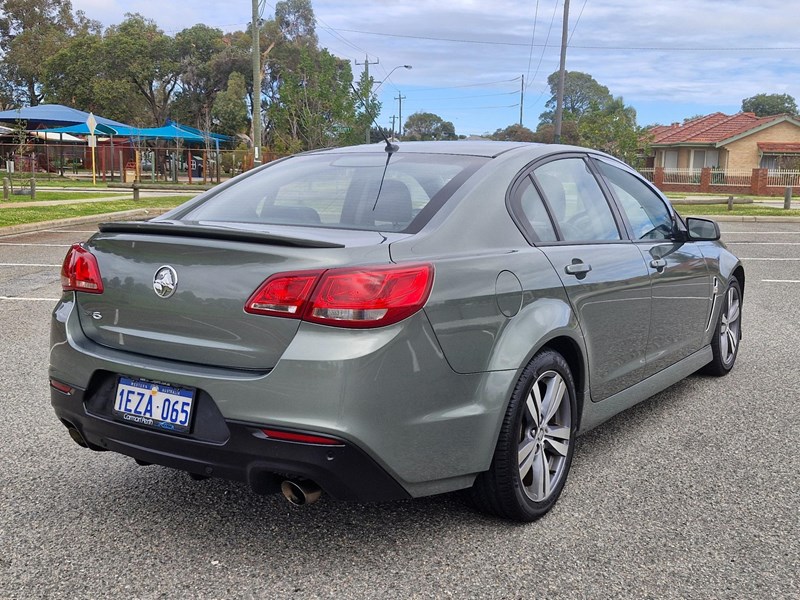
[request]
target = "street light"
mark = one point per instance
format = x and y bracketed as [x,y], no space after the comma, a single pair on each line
[380,83]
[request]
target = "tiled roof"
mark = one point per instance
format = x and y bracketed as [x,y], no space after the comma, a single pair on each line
[779,147]
[709,129]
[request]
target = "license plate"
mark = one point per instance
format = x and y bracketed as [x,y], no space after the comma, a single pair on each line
[153,404]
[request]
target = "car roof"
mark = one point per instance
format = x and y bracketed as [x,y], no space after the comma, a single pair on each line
[485,148]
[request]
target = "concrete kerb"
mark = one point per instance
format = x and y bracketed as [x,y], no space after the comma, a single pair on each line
[136,213]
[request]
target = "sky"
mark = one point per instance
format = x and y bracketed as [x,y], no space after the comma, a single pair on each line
[670,60]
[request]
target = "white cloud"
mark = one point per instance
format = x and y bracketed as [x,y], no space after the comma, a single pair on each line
[706,60]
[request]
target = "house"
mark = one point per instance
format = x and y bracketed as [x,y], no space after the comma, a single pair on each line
[732,142]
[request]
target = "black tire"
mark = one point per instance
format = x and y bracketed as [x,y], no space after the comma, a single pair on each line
[511,488]
[728,331]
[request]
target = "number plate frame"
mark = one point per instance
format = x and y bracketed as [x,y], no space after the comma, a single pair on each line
[154,405]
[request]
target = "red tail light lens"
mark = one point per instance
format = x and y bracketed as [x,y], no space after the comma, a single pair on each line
[303,438]
[80,272]
[283,295]
[358,298]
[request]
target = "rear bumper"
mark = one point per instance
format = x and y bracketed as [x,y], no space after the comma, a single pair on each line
[238,451]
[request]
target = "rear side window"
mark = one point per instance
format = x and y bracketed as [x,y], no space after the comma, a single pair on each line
[648,215]
[576,201]
[348,190]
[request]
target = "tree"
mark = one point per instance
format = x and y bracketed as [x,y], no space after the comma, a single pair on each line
[514,133]
[314,107]
[545,133]
[30,31]
[78,75]
[613,130]
[581,93]
[230,109]
[141,53]
[765,105]
[428,126]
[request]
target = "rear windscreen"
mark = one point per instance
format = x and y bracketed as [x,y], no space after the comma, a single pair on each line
[353,191]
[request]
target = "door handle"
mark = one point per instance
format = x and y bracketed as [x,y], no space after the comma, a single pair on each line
[579,269]
[659,264]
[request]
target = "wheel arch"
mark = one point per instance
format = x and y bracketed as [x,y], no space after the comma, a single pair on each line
[572,353]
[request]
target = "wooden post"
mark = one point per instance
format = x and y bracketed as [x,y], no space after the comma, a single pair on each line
[189,164]
[136,190]
[6,188]
[730,202]
[787,198]
[33,177]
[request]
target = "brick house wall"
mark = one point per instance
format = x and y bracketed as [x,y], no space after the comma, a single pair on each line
[744,154]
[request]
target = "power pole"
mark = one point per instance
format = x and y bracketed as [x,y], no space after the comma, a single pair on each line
[393,119]
[521,99]
[400,99]
[561,72]
[366,64]
[256,87]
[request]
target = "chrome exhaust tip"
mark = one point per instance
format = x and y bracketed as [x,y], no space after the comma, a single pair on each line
[301,493]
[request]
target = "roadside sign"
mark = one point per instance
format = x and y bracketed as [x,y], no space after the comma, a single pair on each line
[92,139]
[91,123]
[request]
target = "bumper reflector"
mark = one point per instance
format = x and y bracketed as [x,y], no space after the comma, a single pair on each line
[303,438]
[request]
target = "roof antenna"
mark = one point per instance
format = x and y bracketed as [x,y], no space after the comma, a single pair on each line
[390,147]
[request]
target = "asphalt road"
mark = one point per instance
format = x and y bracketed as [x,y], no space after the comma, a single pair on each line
[692,494]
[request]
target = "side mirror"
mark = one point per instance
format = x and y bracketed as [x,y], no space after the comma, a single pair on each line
[702,230]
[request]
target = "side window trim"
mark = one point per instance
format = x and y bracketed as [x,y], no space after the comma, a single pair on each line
[514,207]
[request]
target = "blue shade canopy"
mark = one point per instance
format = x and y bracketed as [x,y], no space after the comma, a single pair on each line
[168,132]
[52,115]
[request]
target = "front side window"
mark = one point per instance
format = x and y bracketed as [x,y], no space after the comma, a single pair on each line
[648,215]
[576,201]
[347,190]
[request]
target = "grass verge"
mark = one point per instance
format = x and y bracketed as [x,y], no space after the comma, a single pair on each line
[54,195]
[35,214]
[739,210]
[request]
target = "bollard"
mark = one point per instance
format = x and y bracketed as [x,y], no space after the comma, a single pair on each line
[730,202]
[135,191]
[6,188]
[787,198]
[33,189]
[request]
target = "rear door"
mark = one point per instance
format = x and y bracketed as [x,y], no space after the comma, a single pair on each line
[603,273]
[681,282]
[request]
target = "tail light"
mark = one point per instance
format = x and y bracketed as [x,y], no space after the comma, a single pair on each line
[351,297]
[80,272]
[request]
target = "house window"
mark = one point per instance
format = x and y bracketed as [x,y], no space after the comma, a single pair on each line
[705,158]
[670,159]
[769,161]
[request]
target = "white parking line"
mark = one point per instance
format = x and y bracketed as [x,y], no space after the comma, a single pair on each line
[780,280]
[35,245]
[763,232]
[27,265]
[19,299]
[764,243]
[756,258]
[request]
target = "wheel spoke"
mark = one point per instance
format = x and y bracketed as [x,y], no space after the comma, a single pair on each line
[732,340]
[541,476]
[534,406]
[527,464]
[559,433]
[559,447]
[723,345]
[525,452]
[553,397]
[733,310]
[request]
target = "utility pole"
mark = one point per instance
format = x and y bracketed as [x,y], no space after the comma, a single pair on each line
[561,72]
[400,99]
[393,120]
[366,64]
[521,99]
[256,87]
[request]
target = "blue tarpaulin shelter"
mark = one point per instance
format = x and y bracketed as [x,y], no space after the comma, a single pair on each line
[51,115]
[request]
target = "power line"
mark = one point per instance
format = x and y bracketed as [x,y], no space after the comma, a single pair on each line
[544,48]
[470,97]
[578,20]
[468,85]
[640,48]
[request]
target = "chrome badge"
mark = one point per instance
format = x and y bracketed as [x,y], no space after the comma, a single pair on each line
[165,281]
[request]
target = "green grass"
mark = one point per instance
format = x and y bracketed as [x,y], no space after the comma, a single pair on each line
[61,195]
[35,214]
[739,210]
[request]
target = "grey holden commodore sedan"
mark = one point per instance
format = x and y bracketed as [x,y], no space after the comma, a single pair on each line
[391,322]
